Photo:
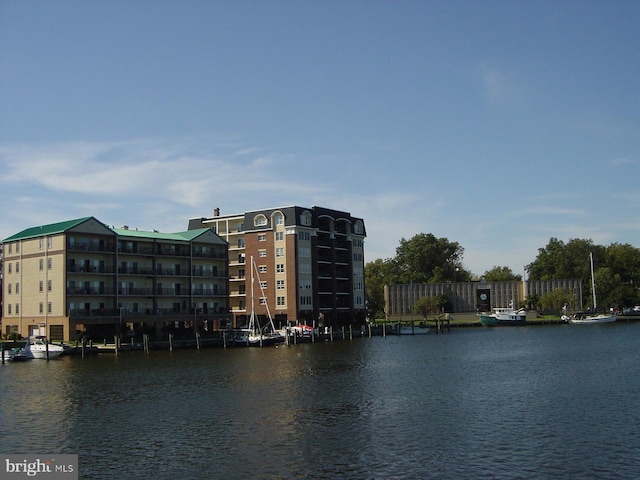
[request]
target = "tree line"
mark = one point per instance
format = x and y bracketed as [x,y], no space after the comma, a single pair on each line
[424,258]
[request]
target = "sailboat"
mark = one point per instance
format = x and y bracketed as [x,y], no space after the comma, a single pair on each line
[255,335]
[587,319]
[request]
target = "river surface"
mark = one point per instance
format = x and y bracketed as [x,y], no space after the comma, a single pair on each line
[548,402]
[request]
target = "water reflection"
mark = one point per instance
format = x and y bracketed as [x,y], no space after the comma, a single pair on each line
[483,403]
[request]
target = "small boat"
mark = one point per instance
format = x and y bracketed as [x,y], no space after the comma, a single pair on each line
[255,335]
[587,318]
[413,328]
[41,348]
[21,354]
[505,316]
[582,318]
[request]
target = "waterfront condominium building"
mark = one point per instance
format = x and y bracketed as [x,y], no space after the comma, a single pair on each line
[84,277]
[308,264]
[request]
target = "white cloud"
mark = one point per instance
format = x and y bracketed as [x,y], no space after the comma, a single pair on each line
[501,89]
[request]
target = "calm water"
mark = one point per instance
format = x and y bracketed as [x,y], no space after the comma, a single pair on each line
[529,402]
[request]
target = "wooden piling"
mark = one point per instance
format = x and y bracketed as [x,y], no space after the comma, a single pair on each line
[145,342]
[171,342]
[116,341]
[197,341]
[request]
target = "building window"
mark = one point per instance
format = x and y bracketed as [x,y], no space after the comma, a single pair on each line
[17,309]
[280,284]
[41,264]
[263,300]
[280,301]
[280,268]
[9,288]
[305,219]
[17,288]
[41,308]
[49,263]
[241,243]
[9,309]
[279,236]
[49,307]
[49,285]
[263,285]
[262,269]
[9,267]
[260,220]
[262,237]
[17,248]
[49,242]
[280,252]
[279,219]
[17,267]
[41,243]
[41,286]
[262,253]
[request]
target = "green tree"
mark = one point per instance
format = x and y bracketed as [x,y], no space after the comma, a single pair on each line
[424,306]
[501,274]
[427,259]
[377,274]
[554,301]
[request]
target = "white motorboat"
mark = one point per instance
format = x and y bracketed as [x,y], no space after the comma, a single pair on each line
[41,348]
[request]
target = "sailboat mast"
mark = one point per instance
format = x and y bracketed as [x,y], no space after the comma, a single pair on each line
[593,284]
[252,317]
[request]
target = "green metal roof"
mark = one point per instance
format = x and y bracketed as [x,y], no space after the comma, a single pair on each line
[42,230]
[61,227]
[179,236]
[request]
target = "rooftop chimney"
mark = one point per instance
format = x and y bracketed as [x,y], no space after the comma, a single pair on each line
[216,212]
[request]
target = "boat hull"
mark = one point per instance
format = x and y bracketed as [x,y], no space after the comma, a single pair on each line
[54,352]
[593,320]
[413,330]
[493,321]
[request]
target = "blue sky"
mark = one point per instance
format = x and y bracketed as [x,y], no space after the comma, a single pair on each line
[495,124]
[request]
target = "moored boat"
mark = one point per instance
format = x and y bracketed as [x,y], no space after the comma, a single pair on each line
[413,328]
[504,316]
[590,319]
[40,347]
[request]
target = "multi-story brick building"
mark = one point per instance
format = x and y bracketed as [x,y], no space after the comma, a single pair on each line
[310,263]
[82,276]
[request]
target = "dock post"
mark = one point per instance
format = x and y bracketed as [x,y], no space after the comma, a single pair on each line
[384,329]
[350,332]
[331,332]
[115,341]
[145,342]
[2,348]
[224,339]
[171,342]
[198,340]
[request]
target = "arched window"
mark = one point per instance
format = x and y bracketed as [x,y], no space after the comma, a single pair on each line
[259,220]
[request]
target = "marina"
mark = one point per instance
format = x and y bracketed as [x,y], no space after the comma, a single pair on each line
[400,406]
